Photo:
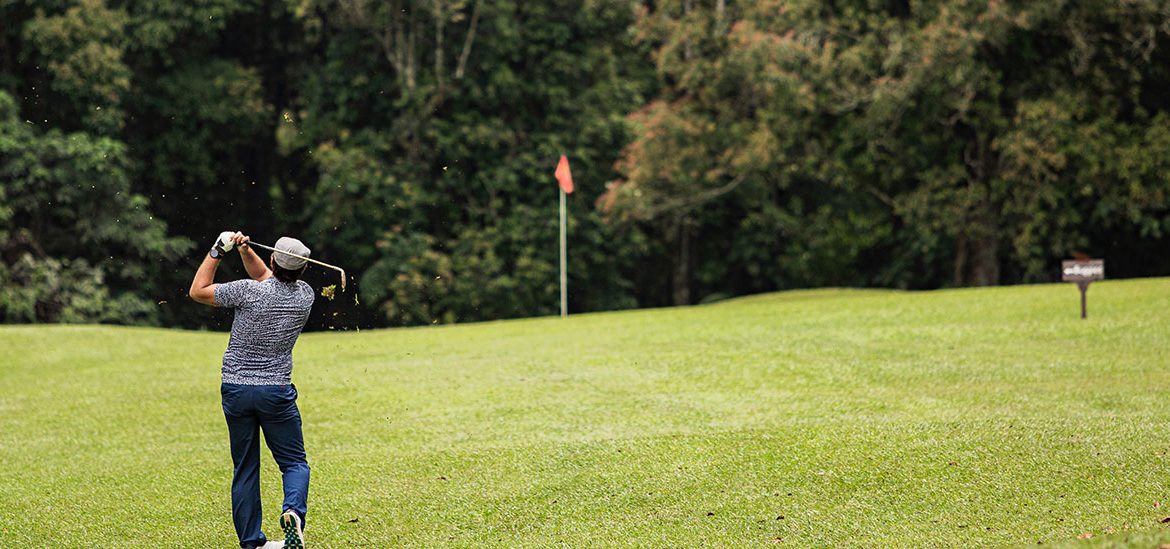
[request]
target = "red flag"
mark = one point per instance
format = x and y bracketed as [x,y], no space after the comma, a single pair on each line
[564,176]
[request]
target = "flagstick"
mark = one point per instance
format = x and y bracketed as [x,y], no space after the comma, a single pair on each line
[564,277]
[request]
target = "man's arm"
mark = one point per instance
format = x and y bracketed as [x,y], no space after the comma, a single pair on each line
[255,266]
[203,286]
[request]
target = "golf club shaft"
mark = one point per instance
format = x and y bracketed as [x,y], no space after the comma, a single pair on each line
[313,261]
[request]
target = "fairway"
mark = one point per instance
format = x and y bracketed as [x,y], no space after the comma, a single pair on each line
[807,418]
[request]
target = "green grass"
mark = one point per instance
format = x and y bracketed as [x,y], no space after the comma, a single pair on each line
[863,418]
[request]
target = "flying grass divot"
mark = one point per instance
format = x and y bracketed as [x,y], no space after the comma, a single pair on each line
[329,292]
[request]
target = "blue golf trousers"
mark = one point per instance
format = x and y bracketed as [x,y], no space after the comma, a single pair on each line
[273,409]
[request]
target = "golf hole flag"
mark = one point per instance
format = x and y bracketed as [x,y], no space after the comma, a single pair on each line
[564,175]
[565,181]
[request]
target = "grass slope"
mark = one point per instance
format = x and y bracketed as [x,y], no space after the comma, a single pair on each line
[813,418]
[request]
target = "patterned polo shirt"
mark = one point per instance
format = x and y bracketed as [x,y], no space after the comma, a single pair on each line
[269,316]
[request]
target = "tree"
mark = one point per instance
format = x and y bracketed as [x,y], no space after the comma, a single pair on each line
[78,244]
[447,165]
[85,75]
[896,144]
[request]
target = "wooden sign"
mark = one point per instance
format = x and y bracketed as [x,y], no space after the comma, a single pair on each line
[1082,271]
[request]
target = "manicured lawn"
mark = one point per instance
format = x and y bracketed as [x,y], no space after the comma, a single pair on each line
[813,418]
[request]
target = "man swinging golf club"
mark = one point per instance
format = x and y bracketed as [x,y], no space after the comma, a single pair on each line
[257,391]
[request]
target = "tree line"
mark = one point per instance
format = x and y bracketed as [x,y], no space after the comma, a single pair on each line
[719,148]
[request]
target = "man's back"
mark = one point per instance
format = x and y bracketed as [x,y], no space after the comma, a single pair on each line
[269,316]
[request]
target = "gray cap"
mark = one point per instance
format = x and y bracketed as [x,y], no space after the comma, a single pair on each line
[292,246]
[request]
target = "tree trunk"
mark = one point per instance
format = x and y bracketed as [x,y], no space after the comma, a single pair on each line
[983,268]
[977,244]
[960,267]
[468,41]
[977,250]
[681,279]
[440,23]
[411,58]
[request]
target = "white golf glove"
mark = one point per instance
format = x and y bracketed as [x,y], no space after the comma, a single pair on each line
[224,242]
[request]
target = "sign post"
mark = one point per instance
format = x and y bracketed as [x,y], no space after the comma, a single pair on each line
[1083,271]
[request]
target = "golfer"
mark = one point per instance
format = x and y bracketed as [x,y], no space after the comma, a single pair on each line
[257,391]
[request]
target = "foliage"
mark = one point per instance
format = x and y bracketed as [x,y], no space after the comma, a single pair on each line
[719,147]
[83,53]
[78,242]
[65,290]
[918,134]
[446,201]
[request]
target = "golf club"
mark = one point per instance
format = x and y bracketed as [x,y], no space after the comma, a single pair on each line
[313,261]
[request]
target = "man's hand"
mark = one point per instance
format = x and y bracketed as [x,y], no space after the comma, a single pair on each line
[255,266]
[240,241]
[224,242]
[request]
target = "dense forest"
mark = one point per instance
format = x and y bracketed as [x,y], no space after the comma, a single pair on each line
[718,147]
